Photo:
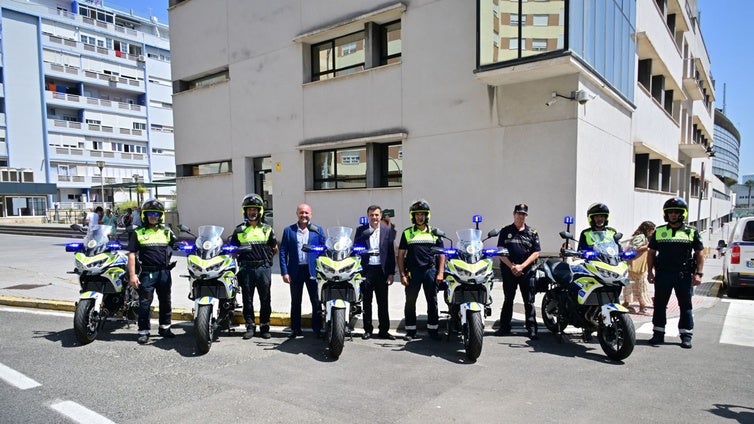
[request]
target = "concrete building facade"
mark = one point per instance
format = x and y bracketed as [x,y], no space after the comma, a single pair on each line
[86,103]
[473,106]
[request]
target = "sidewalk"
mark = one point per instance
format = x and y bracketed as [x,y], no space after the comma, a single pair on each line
[34,274]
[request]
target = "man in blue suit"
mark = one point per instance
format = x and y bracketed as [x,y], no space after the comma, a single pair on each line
[299,268]
[378,270]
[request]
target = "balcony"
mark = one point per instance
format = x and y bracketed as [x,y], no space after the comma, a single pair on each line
[84,47]
[71,153]
[691,84]
[96,130]
[64,71]
[114,81]
[100,25]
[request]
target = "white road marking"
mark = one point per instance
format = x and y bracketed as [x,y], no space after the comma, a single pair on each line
[739,321]
[17,379]
[671,328]
[36,312]
[79,413]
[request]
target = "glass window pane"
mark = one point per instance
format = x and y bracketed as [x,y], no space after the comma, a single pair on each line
[349,51]
[322,59]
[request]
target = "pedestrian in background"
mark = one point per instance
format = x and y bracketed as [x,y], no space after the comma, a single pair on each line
[638,290]
[523,246]
[299,268]
[674,263]
[379,271]
[112,220]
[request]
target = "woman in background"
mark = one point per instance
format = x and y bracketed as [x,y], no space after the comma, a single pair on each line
[637,269]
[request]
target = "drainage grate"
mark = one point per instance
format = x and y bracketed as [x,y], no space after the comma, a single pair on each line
[26,286]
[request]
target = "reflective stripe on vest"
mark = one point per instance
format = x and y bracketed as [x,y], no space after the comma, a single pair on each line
[664,234]
[149,237]
[255,235]
[419,237]
[610,233]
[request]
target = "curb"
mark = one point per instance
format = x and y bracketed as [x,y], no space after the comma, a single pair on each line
[179,314]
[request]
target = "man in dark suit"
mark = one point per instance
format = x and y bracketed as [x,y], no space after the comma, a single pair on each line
[299,268]
[378,270]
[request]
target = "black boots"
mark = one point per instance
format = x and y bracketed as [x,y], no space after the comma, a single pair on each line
[658,338]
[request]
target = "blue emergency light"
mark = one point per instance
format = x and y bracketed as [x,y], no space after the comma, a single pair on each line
[476,219]
[568,220]
[363,220]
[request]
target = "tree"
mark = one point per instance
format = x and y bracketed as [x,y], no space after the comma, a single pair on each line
[749,183]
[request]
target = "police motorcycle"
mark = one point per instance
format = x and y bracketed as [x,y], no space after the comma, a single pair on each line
[339,282]
[212,270]
[585,292]
[105,292]
[469,280]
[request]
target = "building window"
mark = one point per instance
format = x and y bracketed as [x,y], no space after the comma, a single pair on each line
[209,168]
[539,45]
[200,82]
[340,169]
[541,20]
[390,39]
[339,56]
[367,166]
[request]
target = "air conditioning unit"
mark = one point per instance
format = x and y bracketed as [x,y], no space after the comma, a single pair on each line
[113,78]
[141,58]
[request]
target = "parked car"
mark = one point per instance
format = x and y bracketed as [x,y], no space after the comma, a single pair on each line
[738,257]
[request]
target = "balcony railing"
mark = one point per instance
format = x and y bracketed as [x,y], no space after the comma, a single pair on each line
[105,154]
[60,123]
[100,24]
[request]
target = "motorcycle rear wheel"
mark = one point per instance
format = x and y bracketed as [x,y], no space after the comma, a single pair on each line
[85,322]
[550,313]
[619,339]
[337,329]
[203,328]
[474,335]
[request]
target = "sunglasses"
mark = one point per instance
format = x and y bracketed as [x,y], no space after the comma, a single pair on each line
[152,214]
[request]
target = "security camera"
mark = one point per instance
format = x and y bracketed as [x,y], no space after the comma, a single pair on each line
[583,96]
[552,100]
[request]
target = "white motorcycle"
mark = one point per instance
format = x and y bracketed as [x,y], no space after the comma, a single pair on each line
[469,279]
[101,266]
[212,270]
[339,283]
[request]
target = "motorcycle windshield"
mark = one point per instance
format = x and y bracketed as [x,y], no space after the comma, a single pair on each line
[96,239]
[470,244]
[339,242]
[209,241]
[606,247]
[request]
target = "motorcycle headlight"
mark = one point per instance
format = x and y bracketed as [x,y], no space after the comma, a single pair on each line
[610,275]
[328,269]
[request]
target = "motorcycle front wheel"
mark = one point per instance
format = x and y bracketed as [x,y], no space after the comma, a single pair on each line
[203,328]
[618,340]
[550,312]
[474,334]
[337,332]
[85,322]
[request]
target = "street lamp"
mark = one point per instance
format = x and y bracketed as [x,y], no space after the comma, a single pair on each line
[100,165]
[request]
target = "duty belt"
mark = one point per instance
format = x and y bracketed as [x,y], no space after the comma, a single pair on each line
[147,268]
[255,263]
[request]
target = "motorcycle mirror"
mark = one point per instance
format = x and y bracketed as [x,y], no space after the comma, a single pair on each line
[438,233]
[184,228]
[313,228]
[493,233]
[617,237]
[368,232]
[566,235]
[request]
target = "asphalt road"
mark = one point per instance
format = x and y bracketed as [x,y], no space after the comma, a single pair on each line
[281,380]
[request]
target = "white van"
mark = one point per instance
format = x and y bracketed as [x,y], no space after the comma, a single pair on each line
[738,260]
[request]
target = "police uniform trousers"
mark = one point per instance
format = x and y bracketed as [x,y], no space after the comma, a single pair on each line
[375,283]
[421,278]
[524,283]
[151,280]
[297,293]
[256,275]
[665,283]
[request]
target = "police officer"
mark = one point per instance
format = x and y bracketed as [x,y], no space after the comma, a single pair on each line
[152,242]
[419,269]
[597,215]
[255,260]
[674,262]
[522,243]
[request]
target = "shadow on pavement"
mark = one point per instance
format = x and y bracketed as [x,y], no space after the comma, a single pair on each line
[742,414]
[570,346]
[308,345]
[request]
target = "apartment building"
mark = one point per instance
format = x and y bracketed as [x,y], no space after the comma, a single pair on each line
[472,105]
[85,106]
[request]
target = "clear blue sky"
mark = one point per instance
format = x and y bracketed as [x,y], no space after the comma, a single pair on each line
[144,8]
[726,27]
